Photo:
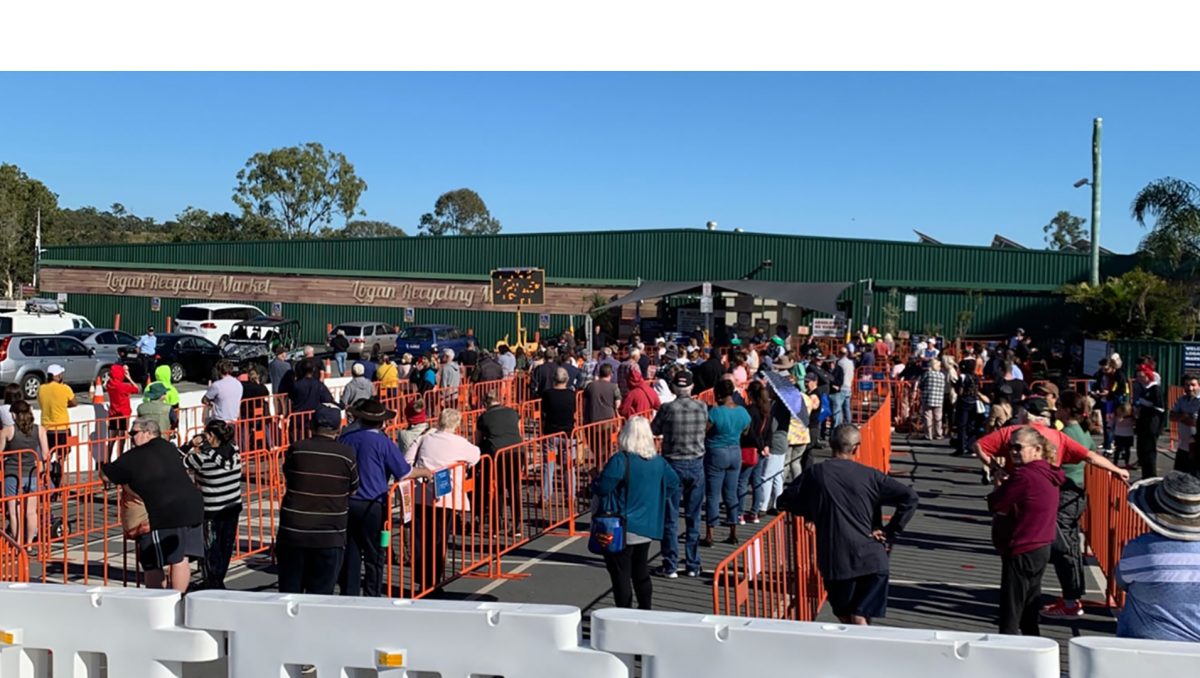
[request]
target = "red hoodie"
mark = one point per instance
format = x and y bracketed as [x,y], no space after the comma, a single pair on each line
[641,396]
[1024,508]
[119,391]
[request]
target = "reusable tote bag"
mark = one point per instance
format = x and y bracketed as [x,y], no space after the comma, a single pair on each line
[608,528]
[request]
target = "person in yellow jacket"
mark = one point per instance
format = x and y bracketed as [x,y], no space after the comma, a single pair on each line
[388,376]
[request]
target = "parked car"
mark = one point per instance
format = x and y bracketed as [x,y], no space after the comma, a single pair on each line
[368,337]
[214,322]
[24,359]
[254,342]
[40,317]
[191,358]
[423,339]
[105,342]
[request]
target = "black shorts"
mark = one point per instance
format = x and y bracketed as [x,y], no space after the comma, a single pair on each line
[865,596]
[159,548]
[118,424]
[57,439]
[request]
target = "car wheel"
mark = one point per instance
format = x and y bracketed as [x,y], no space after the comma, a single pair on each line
[177,373]
[30,385]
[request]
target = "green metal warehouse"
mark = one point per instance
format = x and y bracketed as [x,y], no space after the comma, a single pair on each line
[917,287]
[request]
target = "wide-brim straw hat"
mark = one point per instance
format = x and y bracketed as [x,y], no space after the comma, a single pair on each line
[1170,505]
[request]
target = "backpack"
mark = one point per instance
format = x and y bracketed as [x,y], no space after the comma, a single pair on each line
[826,411]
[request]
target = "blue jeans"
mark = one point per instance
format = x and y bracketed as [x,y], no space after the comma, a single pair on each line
[340,359]
[722,466]
[744,490]
[690,493]
[561,449]
[839,402]
[767,480]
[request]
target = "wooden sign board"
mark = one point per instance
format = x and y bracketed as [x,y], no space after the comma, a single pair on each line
[380,292]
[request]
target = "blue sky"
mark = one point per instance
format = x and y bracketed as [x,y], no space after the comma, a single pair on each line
[871,155]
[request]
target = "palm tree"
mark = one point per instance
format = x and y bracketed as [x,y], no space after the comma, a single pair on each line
[1175,206]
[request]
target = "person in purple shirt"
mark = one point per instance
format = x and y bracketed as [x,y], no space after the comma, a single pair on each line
[380,460]
[606,358]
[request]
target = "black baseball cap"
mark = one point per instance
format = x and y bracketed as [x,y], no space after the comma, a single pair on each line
[682,379]
[328,417]
[1038,407]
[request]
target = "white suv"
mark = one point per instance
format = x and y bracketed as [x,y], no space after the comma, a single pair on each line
[214,322]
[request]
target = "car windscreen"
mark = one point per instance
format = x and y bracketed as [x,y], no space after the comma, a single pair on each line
[5,325]
[78,334]
[350,330]
[192,313]
[165,344]
[416,334]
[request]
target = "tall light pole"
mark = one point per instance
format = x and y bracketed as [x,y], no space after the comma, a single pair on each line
[1094,278]
[1096,124]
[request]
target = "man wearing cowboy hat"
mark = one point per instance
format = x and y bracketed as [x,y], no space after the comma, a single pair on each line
[379,461]
[1160,570]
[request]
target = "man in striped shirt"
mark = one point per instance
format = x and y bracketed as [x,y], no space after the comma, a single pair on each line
[320,474]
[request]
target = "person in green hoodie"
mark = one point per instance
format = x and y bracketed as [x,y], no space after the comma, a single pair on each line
[162,375]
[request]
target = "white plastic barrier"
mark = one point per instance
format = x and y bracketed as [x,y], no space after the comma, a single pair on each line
[138,633]
[706,646]
[268,632]
[1101,657]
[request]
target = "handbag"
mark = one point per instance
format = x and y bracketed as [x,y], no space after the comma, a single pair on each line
[608,528]
[749,457]
[135,521]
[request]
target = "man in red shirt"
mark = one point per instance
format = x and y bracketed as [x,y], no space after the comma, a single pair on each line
[120,387]
[993,449]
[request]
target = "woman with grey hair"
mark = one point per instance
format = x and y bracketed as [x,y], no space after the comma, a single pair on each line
[634,484]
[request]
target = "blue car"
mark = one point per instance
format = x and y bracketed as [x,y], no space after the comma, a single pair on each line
[428,339]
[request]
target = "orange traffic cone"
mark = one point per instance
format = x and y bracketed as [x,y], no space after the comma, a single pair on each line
[98,392]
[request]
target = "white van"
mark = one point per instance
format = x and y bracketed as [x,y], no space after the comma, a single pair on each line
[214,322]
[24,322]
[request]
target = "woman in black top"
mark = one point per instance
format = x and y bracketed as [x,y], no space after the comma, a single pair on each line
[968,419]
[1149,421]
[756,437]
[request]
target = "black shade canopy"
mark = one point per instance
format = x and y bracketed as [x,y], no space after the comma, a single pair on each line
[814,296]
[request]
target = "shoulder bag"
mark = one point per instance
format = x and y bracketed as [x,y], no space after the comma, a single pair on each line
[608,527]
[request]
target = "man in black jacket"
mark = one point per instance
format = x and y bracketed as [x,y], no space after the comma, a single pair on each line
[709,372]
[341,346]
[843,500]
[497,428]
[488,369]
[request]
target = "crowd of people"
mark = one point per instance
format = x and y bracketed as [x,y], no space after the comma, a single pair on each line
[750,454]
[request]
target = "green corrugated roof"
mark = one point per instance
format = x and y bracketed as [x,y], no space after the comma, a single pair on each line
[618,258]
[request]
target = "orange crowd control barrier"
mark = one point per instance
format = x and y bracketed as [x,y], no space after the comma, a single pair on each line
[773,575]
[14,561]
[1110,524]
